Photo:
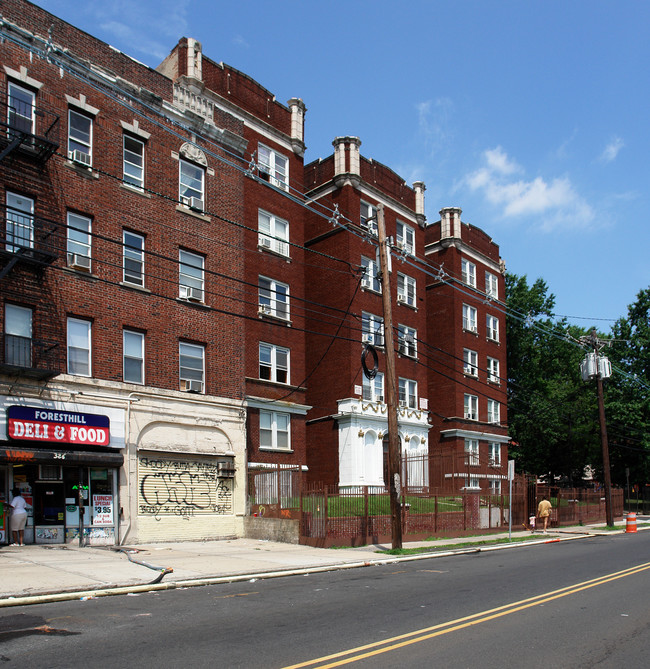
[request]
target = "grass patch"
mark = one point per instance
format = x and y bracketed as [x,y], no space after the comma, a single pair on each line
[466,544]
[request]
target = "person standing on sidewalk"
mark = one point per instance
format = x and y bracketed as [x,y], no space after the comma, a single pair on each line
[544,511]
[18,517]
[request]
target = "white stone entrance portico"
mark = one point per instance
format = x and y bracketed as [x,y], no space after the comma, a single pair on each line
[363,424]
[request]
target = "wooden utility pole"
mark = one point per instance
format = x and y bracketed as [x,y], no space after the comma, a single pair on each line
[392,403]
[598,373]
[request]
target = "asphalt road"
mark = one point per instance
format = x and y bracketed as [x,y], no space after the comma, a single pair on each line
[580,603]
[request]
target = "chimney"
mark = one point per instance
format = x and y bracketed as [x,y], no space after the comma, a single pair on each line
[194,60]
[298,109]
[450,222]
[419,188]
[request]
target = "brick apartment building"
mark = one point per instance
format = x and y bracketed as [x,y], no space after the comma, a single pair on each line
[348,422]
[466,336]
[181,300]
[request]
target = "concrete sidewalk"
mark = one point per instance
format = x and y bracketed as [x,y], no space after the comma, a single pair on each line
[32,574]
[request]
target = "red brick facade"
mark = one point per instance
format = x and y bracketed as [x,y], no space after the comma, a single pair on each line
[206,232]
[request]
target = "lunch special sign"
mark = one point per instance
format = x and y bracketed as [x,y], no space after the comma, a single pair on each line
[46,425]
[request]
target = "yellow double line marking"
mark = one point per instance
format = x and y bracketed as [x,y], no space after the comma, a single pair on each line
[396,642]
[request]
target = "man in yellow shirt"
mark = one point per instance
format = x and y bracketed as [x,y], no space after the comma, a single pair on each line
[544,511]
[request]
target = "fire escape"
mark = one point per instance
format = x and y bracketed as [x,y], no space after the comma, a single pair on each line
[28,243]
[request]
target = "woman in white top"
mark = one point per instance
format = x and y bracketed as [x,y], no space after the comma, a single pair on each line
[18,517]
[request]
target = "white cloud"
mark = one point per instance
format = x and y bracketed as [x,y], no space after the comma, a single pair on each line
[549,203]
[238,40]
[611,150]
[433,120]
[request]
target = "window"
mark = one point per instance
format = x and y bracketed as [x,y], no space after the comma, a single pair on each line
[191,185]
[273,167]
[405,238]
[493,370]
[370,278]
[494,453]
[471,407]
[369,218]
[468,271]
[471,449]
[275,430]
[133,162]
[80,137]
[407,341]
[273,233]
[492,328]
[494,411]
[191,367]
[470,362]
[469,318]
[373,389]
[273,298]
[491,286]
[372,329]
[18,336]
[191,281]
[406,289]
[78,243]
[19,222]
[133,352]
[79,347]
[20,109]
[133,258]
[274,363]
[408,393]
[495,486]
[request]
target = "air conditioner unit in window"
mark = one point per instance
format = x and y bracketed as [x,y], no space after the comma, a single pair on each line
[191,293]
[265,242]
[367,339]
[80,157]
[401,297]
[78,261]
[403,403]
[399,244]
[191,386]
[264,309]
[226,469]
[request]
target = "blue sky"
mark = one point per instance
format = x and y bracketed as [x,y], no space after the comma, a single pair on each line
[530,115]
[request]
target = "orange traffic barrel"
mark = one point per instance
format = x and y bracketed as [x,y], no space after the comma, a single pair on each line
[630,524]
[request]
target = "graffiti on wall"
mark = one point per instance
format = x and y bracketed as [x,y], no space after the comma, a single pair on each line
[185,488]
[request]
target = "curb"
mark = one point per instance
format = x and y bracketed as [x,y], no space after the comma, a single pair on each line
[115,590]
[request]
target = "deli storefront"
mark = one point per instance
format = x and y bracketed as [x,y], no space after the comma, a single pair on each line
[66,465]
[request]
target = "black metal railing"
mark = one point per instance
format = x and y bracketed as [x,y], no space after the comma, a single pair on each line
[32,129]
[30,357]
[29,236]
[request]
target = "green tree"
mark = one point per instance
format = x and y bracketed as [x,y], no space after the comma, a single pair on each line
[552,416]
[627,394]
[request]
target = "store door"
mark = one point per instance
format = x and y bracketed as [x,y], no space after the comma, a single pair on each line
[49,512]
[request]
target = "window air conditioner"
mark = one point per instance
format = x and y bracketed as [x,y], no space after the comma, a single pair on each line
[399,244]
[191,293]
[265,242]
[401,297]
[81,157]
[264,309]
[193,386]
[78,261]
[403,403]
[367,339]
[226,469]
